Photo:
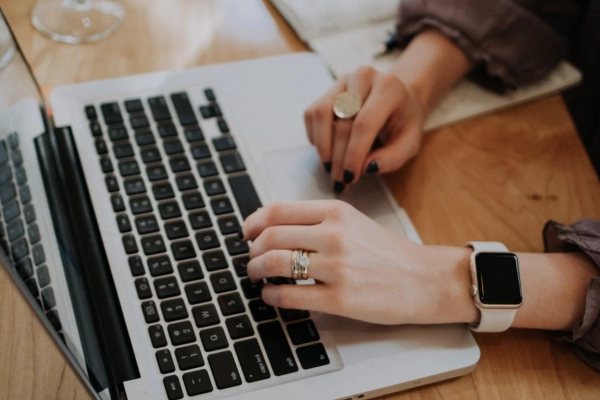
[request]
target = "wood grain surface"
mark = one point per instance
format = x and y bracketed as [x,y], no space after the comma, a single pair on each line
[498,177]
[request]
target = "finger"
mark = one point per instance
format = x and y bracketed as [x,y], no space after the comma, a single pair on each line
[394,154]
[287,237]
[341,135]
[303,297]
[279,263]
[308,124]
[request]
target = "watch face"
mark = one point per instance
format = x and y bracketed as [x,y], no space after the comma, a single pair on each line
[498,278]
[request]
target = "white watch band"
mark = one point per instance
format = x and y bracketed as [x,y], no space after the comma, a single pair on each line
[492,320]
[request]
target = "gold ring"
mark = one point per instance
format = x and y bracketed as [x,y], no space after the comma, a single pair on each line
[295,271]
[347,104]
[303,262]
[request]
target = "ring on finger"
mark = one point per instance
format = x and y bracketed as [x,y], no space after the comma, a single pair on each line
[347,104]
[295,267]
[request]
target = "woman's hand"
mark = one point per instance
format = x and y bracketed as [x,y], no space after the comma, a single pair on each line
[390,111]
[362,270]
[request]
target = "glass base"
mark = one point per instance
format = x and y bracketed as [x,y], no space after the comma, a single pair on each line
[77,21]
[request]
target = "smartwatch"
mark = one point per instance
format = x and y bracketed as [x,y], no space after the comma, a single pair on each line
[496,286]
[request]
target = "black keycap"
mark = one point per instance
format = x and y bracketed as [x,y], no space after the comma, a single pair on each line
[186,182]
[166,287]
[224,370]
[139,122]
[303,332]
[189,357]
[312,356]
[214,260]
[33,288]
[20,175]
[29,213]
[277,348]
[111,113]
[11,211]
[136,266]
[160,265]
[222,282]
[236,246]
[193,200]
[25,269]
[48,298]
[198,293]
[128,168]
[96,129]
[232,163]
[174,310]
[176,230]
[181,333]
[130,244]
[143,288]
[239,327]
[179,164]
[252,360]
[163,191]
[5,174]
[106,165]
[224,143]
[197,382]
[15,230]
[144,138]
[221,205]
[157,336]
[135,186]
[150,155]
[214,187]
[165,361]
[173,147]
[7,192]
[54,319]
[112,185]
[245,195]
[117,203]
[17,158]
[184,109]
[123,150]
[37,252]
[19,249]
[252,290]
[210,95]
[160,110]
[261,311]
[169,210]
[216,110]
[223,127]
[156,173]
[288,314]
[173,387]
[194,134]
[206,111]
[207,240]
[153,245]
[200,152]
[207,169]
[213,339]
[167,130]
[13,140]
[150,312]
[140,205]
[200,220]
[146,224]
[43,276]
[231,303]
[118,133]
[183,250]
[3,153]
[134,105]
[123,223]
[90,112]
[24,194]
[101,146]
[205,315]
[228,225]
[190,271]
[34,234]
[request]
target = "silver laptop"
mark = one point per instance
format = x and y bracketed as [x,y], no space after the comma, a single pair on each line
[120,214]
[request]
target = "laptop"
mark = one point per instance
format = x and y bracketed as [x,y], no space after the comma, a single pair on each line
[120,213]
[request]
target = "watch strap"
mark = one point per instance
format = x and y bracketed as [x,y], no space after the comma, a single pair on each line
[488,247]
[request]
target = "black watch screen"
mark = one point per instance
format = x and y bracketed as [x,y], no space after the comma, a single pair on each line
[498,278]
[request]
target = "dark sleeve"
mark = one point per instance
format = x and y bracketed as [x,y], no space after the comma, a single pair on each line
[511,42]
[582,236]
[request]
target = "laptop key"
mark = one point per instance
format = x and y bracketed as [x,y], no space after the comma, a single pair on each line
[252,360]
[24,194]
[198,293]
[228,225]
[231,303]
[194,134]
[190,271]
[128,168]
[123,223]
[106,165]
[90,112]
[223,127]
[224,143]
[174,310]
[144,138]
[166,287]
[245,195]
[189,357]
[186,182]
[179,164]
[33,288]
[130,244]
[29,213]
[288,314]
[5,175]
[240,264]
[150,312]
[159,108]
[207,240]
[38,255]
[7,192]
[232,163]
[213,339]
[312,356]
[224,370]
[200,152]
[239,327]
[200,220]
[184,109]
[151,155]
[252,290]
[95,129]
[236,246]
[169,210]
[207,169]
[3,153]
[157,336]
[277,348]
[54,319]
[143,288]
[165,361]
[20,175]
[160,265]
[17,157]
[134,105]
[136,266]
[25,268]
[210,95]
[181,333]
[163,191]
[153,245]
[123,150]
[176,230]
[197,382]
[206,111]
[193,200]
[168,130]
[205,315]
[173,147]
[139,122]
[43,276]
[19,249]
[222,282]
[303,332]
[214,260]
[11,211]
[157,173]
[216,110]
[140,205]
[146,224]
[261,311]
[111,113]
[48,299]
[221,205]
[101,147]
[15,230]
[118,133]
[183,250]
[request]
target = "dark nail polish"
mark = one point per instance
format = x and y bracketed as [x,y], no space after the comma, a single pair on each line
[338,186]
[372,168]
[327,167]
[348,176]
[241,234]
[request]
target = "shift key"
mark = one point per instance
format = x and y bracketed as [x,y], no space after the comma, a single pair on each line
[277,348]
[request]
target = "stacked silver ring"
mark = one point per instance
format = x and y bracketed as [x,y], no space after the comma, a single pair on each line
[300,263]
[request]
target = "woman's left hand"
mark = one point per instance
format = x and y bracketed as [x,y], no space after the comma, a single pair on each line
[362,270]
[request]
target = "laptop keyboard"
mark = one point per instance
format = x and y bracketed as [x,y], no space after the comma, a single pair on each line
[174,208]
[20,235]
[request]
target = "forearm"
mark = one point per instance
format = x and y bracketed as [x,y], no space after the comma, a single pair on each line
[430,65]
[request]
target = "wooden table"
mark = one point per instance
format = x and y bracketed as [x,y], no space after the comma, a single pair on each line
[498,177]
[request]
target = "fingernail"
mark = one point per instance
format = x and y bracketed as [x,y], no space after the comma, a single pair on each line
[241,234]
[348,176]
[338,186]
[327,167]
[372,168]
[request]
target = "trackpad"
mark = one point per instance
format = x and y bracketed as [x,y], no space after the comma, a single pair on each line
[297,174]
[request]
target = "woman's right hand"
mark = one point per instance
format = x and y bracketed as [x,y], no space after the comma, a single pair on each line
[390,110]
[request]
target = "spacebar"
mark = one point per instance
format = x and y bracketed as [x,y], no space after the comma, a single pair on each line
[245,194]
